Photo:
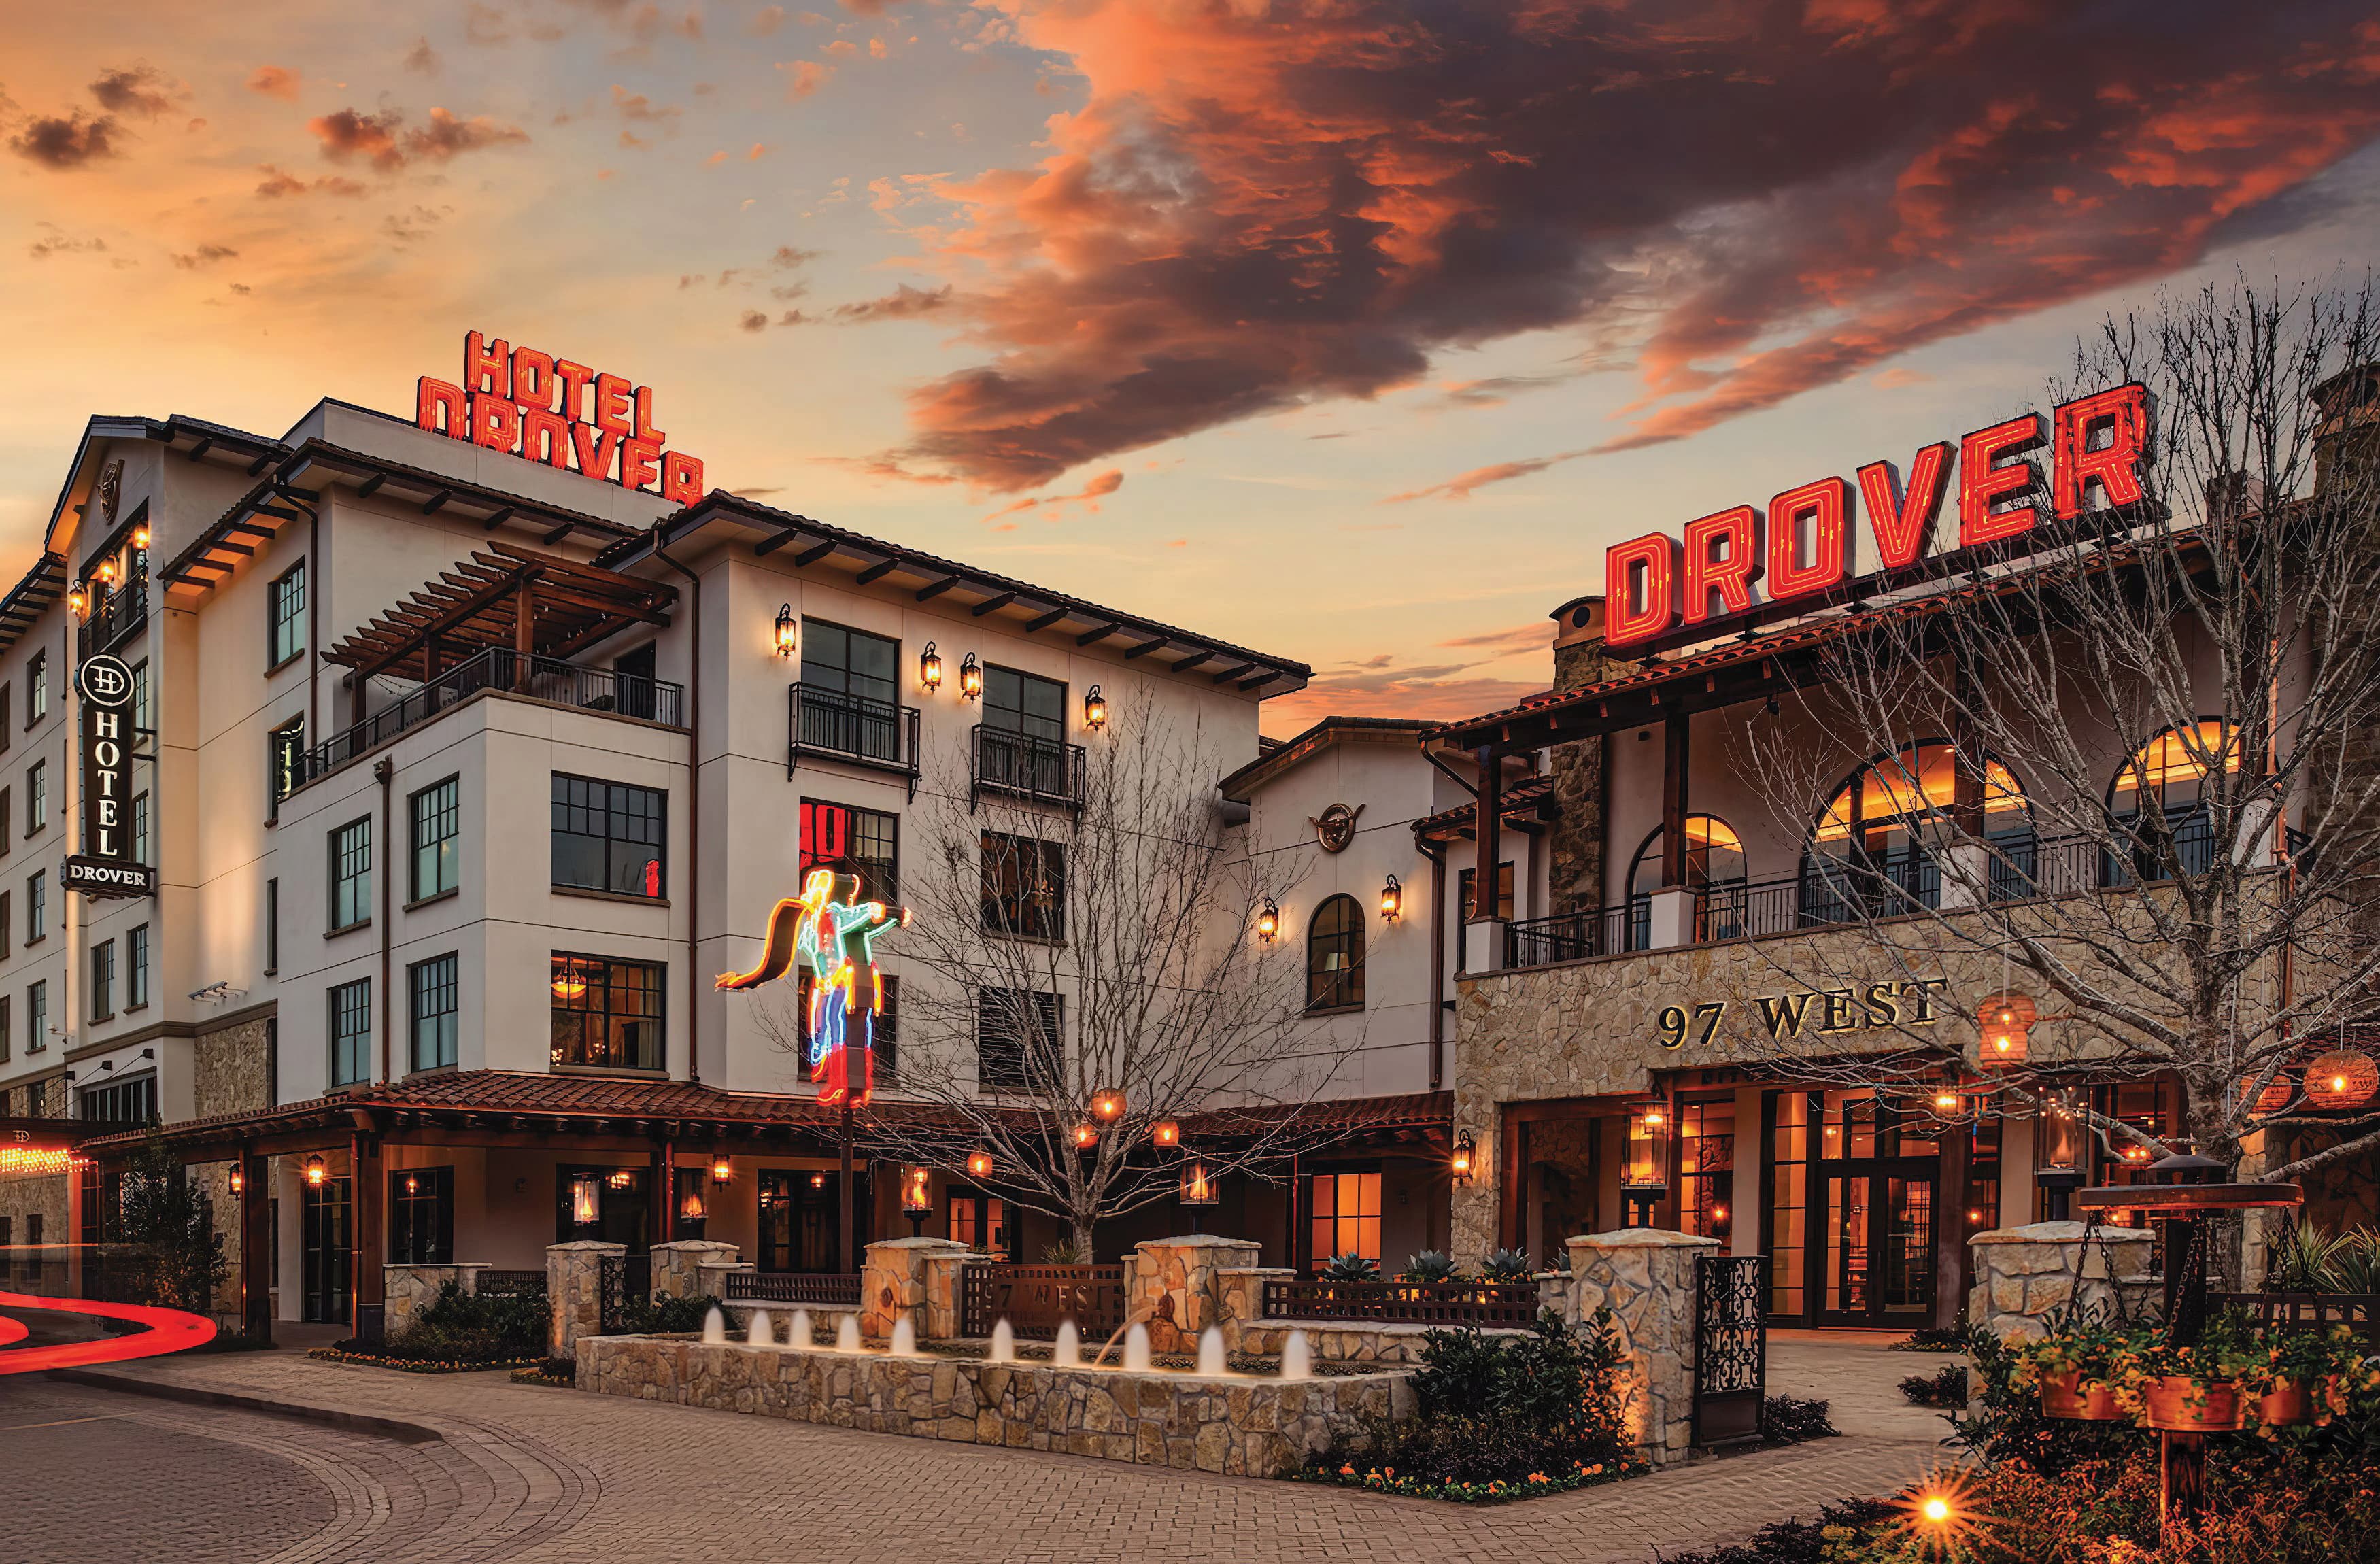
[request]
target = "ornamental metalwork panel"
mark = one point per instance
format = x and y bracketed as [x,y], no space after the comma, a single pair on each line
[626,1285]
[1495,1303]
[1036,1300]
[1730,1348]
[818,1288]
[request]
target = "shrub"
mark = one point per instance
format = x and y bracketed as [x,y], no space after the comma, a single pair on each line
[1796,1541]
[1351,1267]
[1506,1264]
[173,1256]
[646,1316]
[1430,1265]
[1933,1338]
[457,1326]
[1946,1387]
[1789,1420]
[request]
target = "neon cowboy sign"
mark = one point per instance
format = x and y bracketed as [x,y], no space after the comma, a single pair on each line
[532,404]
[1693,588]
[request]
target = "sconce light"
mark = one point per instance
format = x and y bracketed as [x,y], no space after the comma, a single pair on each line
[817,1181]
[1644,1173]
[1267,921]
[1393,900]
[929,669]
[970,677]
[585,1205]
[412,1183]
[1107,1105]
[620,1178]
[238,1178]
[1465,1162]
[785,631]
[1086,1137]
[1197,1184]
[720,1170]
[106,572]
[1165,1132]
[979,1164]
[75,598]
[140,537]
[315,1170]
[1095,709]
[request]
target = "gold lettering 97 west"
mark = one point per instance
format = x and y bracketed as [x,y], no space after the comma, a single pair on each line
[1813,1013]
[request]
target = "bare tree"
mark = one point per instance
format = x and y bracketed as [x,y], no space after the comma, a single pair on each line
[2212,649]
[1093,970]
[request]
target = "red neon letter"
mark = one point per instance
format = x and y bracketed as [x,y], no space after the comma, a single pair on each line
[1636,612]
[545,437]
[574,378]
[1729,574]
[439,407]
[594,448]
[2114,466]
[533,379]
[645,429]
[1826,505]
[612,404]
[1981,482]
[1903,525]
[681,478]
[495,422]
[636,459]
[487,365]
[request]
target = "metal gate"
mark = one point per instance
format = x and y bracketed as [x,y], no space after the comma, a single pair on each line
[1730,1348]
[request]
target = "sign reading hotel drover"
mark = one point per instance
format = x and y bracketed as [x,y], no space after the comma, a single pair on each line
[1803,545]
[105,867]
[531,405]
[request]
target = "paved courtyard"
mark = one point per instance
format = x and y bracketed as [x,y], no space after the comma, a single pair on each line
[97,1476]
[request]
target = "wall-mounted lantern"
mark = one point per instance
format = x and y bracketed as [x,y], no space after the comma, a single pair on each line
[238,1178]
[105,572]
[76,599]
[970,677]
[1464,1163]
[1393,900]
[929,669]
[979,1164]
[1645,1174]
[315,1172]
[1267,921]
[1165,1132]
[1095,709]
[720,1170]
[785,631]
[140,537]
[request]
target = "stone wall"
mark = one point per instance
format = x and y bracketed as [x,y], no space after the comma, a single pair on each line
[678,1267]
[574,1282]
[1254,1428]
[1176,1286]
[407,1290]
[912,1277]
[1646,1278]
[2023,1273]
[231,1068]
[1338,1340]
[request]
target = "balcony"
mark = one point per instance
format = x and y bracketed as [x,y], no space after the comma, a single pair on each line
[837,725]
[1038,771]
[497,668]
[116,616]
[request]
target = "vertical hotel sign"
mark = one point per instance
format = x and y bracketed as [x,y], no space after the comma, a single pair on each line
[105,865]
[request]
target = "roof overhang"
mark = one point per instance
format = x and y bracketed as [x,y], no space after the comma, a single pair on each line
[1397,732]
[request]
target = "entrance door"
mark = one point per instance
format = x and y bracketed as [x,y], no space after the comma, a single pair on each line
[801,1218]
[1874,1237]
[324,1214]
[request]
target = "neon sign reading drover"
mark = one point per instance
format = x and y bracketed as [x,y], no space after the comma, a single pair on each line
[1694,586]
[532,404]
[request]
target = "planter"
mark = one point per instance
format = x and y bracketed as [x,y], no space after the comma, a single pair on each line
[2292,1401]
[2065,1396]
[2179,1404]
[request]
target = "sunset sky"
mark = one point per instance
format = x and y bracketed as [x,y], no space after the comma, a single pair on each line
[1350,331]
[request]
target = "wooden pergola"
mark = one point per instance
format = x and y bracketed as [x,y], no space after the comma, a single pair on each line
[533,604]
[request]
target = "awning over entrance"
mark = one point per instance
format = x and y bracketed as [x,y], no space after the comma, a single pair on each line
[533,604]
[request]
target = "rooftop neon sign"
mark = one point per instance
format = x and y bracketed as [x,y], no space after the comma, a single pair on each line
[530,404]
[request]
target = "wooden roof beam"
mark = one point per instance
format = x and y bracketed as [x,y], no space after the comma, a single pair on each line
[431,506]
[881,569]
[371,485]
[1043,621]
[1102,634]
[497,518]
[810,556]
[933,589]
[768,546]
[1145,649]
[990,604]
[1193,660]
[1228,674]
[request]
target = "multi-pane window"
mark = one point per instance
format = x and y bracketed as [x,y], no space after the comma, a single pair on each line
[607,1014]
[37,797]
[271,926]
[5,690]
[1334,955]
[351,1032]
[865,843]
[284,751]
[1019,1040]
[4,924]
[1024,703]
[288,616]
[1346,1215]
[37,1016]
[140,828]
[144,715]
[1024,886]
[434,1004]
[103,980]
[7,813]
[135,967]
[1464,882]
[37,688]
[608,836]
[351,874]
[120,1102]
[7,1043]
[850,662]
[421,1217]
[37,907]
[436,814]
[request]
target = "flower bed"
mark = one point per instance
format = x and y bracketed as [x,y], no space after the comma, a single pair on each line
[1494,1491]
[415,1365]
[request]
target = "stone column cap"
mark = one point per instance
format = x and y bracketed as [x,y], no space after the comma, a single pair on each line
[2061,1232]
[727,1265]
[1200,1240]
[924,1246]
[1256,1270]
[696,1246]
[587,1246]
[1640,1238]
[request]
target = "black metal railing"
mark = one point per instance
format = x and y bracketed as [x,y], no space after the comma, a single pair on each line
[827,1290]
[1739,909]
[843,726]
[113,616]
[510,1284]
[497,668]
[627,1282]
[2308,1311]
[1035,1300]
[1022,765]
[1602,931]
[1404,1303]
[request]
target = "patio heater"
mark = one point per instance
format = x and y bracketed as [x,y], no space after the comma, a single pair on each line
[2057,1153]
[917,1199]
[1644,1173]
[1198,1189]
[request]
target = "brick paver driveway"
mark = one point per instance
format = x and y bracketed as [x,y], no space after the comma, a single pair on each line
[536,1476]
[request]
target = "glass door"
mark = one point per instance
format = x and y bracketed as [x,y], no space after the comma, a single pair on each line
[801,1218]
[1874,1240]
[324,1214]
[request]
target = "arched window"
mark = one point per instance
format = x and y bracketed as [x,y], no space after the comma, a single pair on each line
[1334,955]
[1873,850]
[1714,872]
[2175,834]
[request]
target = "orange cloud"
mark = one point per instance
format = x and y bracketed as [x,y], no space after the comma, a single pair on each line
[804,76]
[1460,487]
[274,82]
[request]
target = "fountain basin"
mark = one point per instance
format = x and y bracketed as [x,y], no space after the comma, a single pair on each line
[1239,1424]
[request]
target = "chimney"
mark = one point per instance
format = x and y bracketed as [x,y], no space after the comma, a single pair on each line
[2346,445]
[1575,852]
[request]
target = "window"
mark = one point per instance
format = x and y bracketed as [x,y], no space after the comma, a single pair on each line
[135,967]
[1024,886]
[1024,703]
[1873,852]
[37,908]
[4,821]
[849,696]
[351,1032]
[436,816]
[37,684]
[132,1101]
[1715,873]
[288,616]
[607,1014]
[103,980]
[421,1217]
[865,843]
[3,923]
[144,716]
[1346,1215]
[1019,1040]
[140,828]
[3,718]
[271,927]
[1706,1169]
[285,755]
[1334,955]
[1464,880]
[432,987]
[37,797]
[850,662]
[610,837]
[2175,835]
[37,1016]
[5,1042]
[351,874]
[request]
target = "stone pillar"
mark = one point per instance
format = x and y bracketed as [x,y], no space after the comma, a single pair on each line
[1241,1291]
[411,1289]
[710,1275]
[1175,1286]
[574,1284]
[2023,1273]
[1553,1293]
[1646,1277]
[677,1267]
[894,1283]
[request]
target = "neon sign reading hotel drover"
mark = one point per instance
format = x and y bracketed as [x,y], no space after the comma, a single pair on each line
[1696,587]
[532,404]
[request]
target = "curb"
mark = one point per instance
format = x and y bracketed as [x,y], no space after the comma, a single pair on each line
[386,1427]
